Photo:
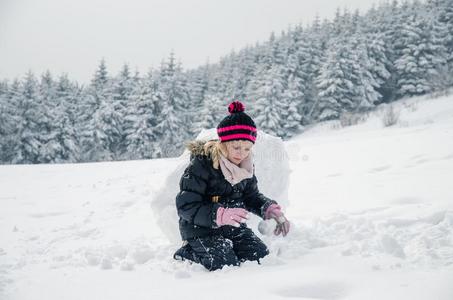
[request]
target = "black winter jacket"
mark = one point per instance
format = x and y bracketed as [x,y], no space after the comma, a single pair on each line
[204,189]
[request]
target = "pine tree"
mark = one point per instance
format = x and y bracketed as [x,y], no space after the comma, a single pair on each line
[445,16]
[293,95]
[441,24]
[173,122]
[245,68]
[422,55]
[66,134]
[199,85]
[95,142]
[198,88]
[291,118]
[269,108]
[309,57]
[7,123]
[140,121]
[4,108]
[212,110]
[122,88]
[270,84]
[367,84]
[12,118]
[378,63]
[264,62]
[390,20]
[50,120]
[345,83]
[28,146]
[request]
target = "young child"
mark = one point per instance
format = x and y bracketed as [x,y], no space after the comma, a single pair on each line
[218,190]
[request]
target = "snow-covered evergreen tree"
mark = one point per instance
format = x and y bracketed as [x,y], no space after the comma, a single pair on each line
[444,13]
[336,81]
[291,97]
[173,125]
[245,68]
[211,112]
[378,63]
[7,122]
[270,83]
[52,114]
[95,142]
[121,89]
[197,88]
[441,23]
[309,56]
[140,121]
[366,85]
[421,57]
[269,108]
[66,136]
[27,149]
[264,62]
[389,20]
[12,117]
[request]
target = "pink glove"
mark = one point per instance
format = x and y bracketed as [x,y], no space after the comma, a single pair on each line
[275,212]
[231,216]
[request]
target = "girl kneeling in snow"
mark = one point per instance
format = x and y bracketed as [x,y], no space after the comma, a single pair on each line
[218,190]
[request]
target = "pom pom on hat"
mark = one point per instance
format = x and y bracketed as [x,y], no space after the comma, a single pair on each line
[236,107]
[237,125]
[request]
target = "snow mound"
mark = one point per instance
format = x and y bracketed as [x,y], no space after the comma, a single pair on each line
[271,169]
[425,240]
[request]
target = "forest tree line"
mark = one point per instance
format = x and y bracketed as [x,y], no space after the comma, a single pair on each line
[298,77]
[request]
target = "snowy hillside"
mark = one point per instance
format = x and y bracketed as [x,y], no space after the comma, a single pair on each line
[371,207]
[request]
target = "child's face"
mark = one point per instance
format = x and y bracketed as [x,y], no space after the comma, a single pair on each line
[238,150]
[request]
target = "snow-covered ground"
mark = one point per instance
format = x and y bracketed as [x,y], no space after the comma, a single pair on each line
[371,208]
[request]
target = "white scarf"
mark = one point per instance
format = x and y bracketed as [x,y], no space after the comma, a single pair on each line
[236,173]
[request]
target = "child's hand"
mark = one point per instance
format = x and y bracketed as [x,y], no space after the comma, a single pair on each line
[274,212]
[231,216]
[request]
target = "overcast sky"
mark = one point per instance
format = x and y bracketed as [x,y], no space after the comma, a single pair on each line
[72,36]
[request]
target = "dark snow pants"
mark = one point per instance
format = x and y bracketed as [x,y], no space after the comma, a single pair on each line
[231,247]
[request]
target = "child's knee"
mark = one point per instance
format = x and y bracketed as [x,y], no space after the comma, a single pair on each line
[215,253]
[251,249]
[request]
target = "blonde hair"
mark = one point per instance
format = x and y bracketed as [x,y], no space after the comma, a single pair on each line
[211,148]
[214,148]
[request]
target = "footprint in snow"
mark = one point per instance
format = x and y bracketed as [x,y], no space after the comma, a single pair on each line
[48,214]
[420,161]
[379,169]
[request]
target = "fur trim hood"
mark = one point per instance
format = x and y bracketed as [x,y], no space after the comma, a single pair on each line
[211,149]
[197,147]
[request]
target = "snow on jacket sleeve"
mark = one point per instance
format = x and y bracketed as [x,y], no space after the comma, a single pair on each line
[254,201]
[191,202]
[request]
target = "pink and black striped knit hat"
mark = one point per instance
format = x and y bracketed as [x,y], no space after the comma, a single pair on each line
[237,126]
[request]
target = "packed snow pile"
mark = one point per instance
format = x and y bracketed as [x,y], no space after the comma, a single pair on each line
[371,209]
